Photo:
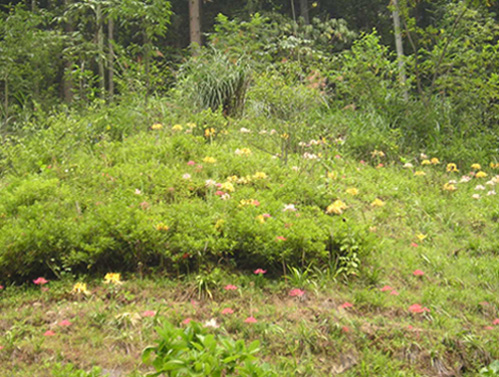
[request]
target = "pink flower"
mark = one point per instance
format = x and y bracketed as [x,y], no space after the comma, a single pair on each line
[410,327]
[266,216]
[40,281]
[64,323]
[346,305]
[488,328]
[386,288]
[280,238]
[250,320]
[418,273]
[296,292]
[1,348]
[194,303]
[345,329]
[255,202]
[259,271]
[230,287]
[191,163]
[414,244]
[362,162]
[49,333]
[416,308]
[1,287]
[495,321]
[149,313]
[394,293]
[337,156]
[219,193]
[227,311]
[187,321]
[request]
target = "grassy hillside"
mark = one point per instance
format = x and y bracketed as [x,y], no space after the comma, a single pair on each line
[384,266]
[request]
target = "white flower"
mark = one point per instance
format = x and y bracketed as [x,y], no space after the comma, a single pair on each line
[295,168]
[186,176]
[244,130]
[314,142]
[480,187]
[310,156]
[491,192]
[263,132]
[225,196]
[210,183]
[465,179]
[408,165]
[475,196]
[273,132]
[423,156]
[138,192]
[301,144]
[289,207]
[212,323]
[452,182]
[490,183]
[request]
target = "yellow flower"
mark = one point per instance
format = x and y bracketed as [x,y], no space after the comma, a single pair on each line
[377,203]
[190,125]
[332,175]
[285,136]
[248,202]
[177,127]
[451,168]
[314,4]
[336,208]
[494,166]
[352,191]
[243,152]
[421,236]
[481,174]
[377,153]
[435,161]
[449,187]
[476,166]
[244,180]
[419,173]
[219,224]
[156,126]
[260,219]
[425,162]
[260,175]
[80,288]
[209,160]
[209,132]
[232,179]
[227,186]
[112,277]
[162,227]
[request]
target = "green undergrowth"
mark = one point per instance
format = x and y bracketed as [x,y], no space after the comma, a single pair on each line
[375,262]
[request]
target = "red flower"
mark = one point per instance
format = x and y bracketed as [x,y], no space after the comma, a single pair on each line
[1,287]
[259,271]
[280,238]
[386,288]
[414,244]
[416,308]
[496,321]
[230,287]
[149,313]
[64,323]
[186,321]
[394,293]
[346,305]
[296,292]
[345,329]
[266,215]
[40,281]
[227,311]
[219,193]
[488,328]
[49,333]
[250,320]
[191,163]
[1,348]
[255,202]
[418,273]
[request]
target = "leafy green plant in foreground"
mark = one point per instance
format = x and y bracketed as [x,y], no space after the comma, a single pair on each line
[193,351]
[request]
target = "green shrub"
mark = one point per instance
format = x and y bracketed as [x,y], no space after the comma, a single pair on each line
[194,351]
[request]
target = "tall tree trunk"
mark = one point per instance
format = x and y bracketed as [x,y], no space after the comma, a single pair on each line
[195,21]
[399,47]
[67,80]
[304,11]
[100,51]
[33,5]
[110,39]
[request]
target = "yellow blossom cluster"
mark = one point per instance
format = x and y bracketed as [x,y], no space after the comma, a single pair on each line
[248,202]
[162,227]
[228,187]
[449,187]
[452,168]
[336,208]
[377,153]
[156,126]
[352,191]
[377,203]
[481,174]
[209,132]
[245,152]
[80,288]
[177,127]
[113,278]
[209,160]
